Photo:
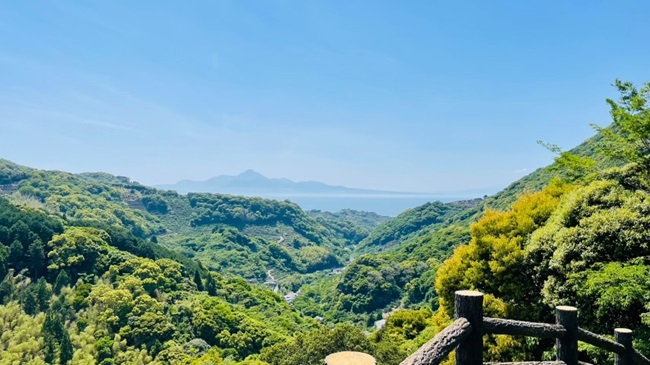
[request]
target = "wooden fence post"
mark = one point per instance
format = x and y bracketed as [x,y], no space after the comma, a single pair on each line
[567,346]
[469,305]
[624,337]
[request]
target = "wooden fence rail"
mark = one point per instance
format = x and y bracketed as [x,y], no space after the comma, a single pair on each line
[465,335]
[434,351]
[498,326]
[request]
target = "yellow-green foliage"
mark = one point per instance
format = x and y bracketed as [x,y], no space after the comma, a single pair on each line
[133,310]
[96,199]
[163,274]
[316,258]
[493,260]
[212,358]
[585,246]
[602,222]
[494,263]
[313,347]
[78,248]
[98,209]
[21,341]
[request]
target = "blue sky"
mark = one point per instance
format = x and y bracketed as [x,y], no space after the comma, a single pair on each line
[401,95]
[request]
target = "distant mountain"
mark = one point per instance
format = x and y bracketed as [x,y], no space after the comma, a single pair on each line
[251,182]
[234,235]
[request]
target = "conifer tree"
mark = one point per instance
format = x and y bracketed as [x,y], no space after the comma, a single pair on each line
[211,285]
[43,294]
[16,253]
[29,301]
[49,349]
[7,288]
[4,260]
[198,281]
[66,351]
[36,254]
[62,280]
[53,325]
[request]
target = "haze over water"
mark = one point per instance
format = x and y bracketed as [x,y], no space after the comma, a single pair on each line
[388,205]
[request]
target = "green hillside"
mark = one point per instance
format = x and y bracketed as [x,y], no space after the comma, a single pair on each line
[422,238]
[585,244]
[414,223]
[438,240]
[236,235]
[71,286]
[349,224]
[90,281]
[97,269]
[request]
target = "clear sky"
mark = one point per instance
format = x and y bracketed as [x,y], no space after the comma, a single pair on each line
[425,96]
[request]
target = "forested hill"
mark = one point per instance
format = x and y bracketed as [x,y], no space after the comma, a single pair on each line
[414,223]
[232,234]
[403,254]
[407,233]
[575,232]
[94,294]
[89,276]
[350,224]
[539,178]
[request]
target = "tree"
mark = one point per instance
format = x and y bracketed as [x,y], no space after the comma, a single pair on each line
[21,341]
[43,294]
[49,349]
[53,325]
[56,336]
[198,281]
[19,231]
[78,249]
[66,351]
[52,331]
[29,301]
[16,254]
[313,347]
[211,285]
[7,288]
[4,260]
[36,254]
[628,138]
[62,280]
[148,322]
[576,167]
[212,357]
[104,348]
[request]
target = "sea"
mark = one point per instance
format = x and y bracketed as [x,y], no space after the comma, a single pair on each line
[383,204]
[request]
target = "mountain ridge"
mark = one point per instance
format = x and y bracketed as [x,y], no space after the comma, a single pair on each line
[252,182]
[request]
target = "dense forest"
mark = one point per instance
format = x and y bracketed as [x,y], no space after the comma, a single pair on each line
[99,269]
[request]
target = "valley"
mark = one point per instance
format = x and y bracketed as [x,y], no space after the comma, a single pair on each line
[100,269]
[318,182]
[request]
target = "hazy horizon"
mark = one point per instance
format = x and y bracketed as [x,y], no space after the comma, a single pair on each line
[412,97]
[397,194]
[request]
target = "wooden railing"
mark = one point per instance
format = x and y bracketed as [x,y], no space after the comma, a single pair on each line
[465,335]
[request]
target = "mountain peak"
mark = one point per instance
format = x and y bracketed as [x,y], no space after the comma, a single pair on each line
[251,174]
[252,183]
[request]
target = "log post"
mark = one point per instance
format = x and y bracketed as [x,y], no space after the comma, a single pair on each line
[567,346]
[469,305]
[624,337]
